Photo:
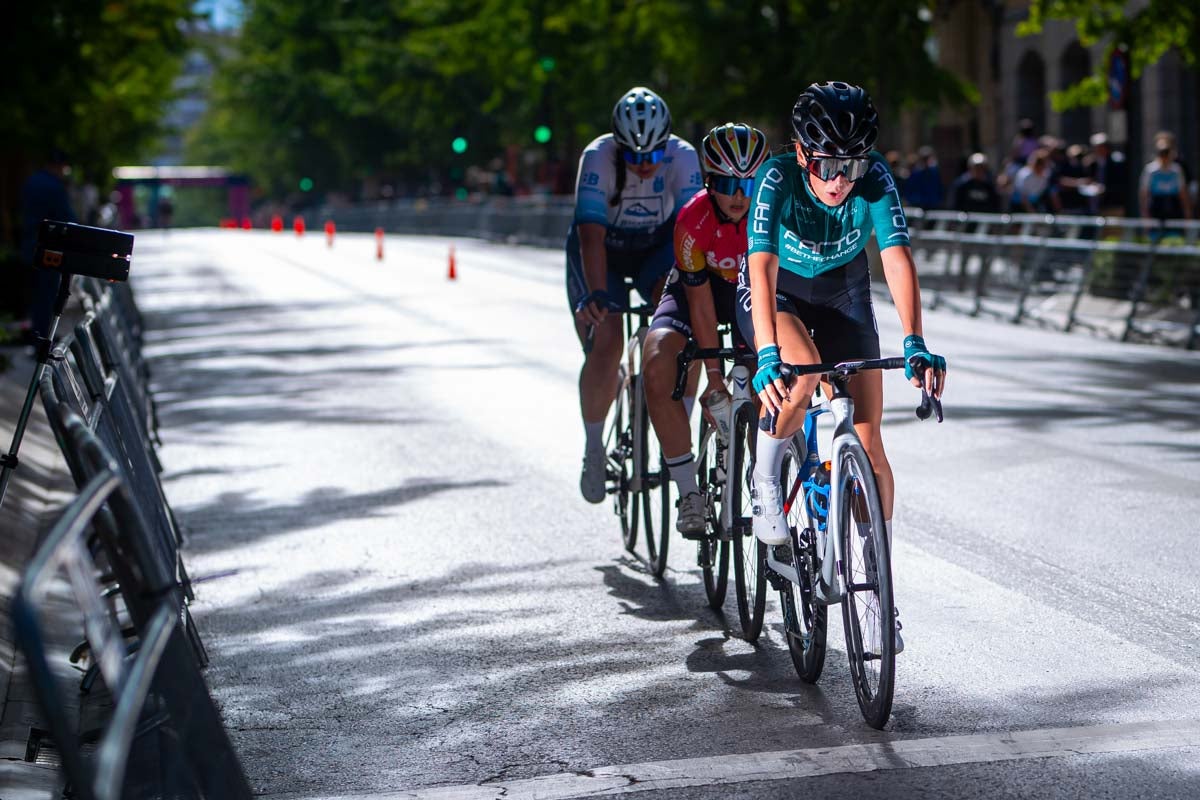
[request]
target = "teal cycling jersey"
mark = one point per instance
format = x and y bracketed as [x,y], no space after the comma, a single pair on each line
[810,237]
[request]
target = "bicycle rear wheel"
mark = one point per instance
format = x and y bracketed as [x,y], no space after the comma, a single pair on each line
[618,444]
[713,549]
[655,493]
[804,620]
[749,555]
[868,614]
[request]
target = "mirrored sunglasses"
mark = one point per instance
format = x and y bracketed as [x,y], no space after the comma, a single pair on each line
[727,184]
[828,167]
[649,157]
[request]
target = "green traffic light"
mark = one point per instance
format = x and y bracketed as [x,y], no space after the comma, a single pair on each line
[459,145]
[306,184]
[461,193]
[541,134]
[547,64]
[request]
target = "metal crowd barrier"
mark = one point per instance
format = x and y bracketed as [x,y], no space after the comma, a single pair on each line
[163,736]
[119,547]
[1130,279]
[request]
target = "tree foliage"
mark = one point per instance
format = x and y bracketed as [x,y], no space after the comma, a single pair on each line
[337,91]
[1147,34]
[91,77]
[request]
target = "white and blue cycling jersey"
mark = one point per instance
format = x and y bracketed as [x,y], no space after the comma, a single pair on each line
[638,216]
[641,205]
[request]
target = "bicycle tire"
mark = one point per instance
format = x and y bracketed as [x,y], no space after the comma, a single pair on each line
[805,622]
[655,492]
[868,614]
[749,554]
[713,549]
[619,446]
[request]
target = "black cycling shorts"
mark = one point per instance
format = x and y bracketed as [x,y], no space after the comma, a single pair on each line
[673,313]
[834,306]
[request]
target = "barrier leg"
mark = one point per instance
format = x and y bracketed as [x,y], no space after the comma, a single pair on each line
[9,460]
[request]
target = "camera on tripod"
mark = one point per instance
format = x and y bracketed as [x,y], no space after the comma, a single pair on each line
[83,250]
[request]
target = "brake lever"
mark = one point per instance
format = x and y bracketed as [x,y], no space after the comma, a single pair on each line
[930,405]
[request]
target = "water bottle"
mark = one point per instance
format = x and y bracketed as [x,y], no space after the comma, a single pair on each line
[718,404]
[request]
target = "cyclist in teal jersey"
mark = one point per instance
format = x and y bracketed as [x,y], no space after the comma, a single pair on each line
[813,211]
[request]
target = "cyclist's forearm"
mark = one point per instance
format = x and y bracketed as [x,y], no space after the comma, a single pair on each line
[764,271]
[595,257]
[704,319]
[900,271]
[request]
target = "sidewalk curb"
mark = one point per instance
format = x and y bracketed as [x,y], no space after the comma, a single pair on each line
[40,487]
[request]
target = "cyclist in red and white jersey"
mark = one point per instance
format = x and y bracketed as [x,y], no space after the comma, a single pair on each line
[701,292]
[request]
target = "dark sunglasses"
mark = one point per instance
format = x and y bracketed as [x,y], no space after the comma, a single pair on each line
[727,184]
[649,157]
[827,167]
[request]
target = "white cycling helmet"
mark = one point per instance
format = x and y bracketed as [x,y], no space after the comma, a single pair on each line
[641,120]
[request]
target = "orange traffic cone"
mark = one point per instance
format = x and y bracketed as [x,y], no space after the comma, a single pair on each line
[298,225]
[452,274]
[330,229]
[379,244]
[277,223]
[247,224]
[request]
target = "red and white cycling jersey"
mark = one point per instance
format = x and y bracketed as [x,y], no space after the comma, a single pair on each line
[703,241]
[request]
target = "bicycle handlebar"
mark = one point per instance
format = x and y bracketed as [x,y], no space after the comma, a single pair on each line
[692,352]
[642,311]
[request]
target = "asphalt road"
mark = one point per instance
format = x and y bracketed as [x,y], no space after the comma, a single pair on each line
[378,468]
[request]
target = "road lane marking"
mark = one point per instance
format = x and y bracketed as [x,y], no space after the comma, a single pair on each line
[793,764]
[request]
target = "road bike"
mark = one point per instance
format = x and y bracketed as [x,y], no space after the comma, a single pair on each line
[723,470]
[839,550]
[635,473]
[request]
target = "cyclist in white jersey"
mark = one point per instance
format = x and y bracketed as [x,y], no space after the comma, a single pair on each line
[630,185]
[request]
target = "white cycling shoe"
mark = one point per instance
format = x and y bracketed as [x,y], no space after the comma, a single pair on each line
[691,515]
[770,525]
[591,481]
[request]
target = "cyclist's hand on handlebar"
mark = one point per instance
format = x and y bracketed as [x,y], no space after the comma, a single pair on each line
[922,368]
[768,380]
[593,308]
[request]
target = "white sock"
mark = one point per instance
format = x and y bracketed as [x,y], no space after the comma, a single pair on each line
[688,404]
[768,457]
[594,431]
[683,472]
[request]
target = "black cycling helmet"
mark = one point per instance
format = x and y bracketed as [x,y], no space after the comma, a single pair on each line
[835,118]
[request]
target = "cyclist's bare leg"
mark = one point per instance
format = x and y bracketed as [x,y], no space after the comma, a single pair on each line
[795,347]
[598,376]
[867,390]
[660,368]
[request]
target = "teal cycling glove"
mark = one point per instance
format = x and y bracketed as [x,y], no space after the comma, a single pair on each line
[768,367]
[915,350]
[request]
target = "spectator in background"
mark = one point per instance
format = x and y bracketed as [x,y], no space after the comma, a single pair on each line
[1033,190]
[1162,189]
[923,188]
[1071,179]
[899,169]
[1025,142]
[1106,170]
[975,190]
[43,196]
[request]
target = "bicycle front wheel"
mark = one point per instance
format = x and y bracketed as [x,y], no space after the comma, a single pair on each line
[619,446]
[713,549]
[804,620]
[749,555]
[868,616]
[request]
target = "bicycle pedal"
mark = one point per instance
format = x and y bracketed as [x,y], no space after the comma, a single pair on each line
[694,536]
[783,553]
